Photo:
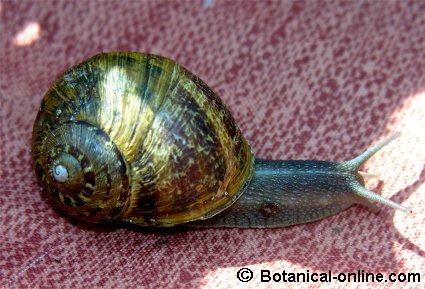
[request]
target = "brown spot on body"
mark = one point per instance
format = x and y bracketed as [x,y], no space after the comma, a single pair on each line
[269,209]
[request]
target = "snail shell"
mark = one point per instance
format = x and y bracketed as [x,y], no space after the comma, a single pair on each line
[138,137]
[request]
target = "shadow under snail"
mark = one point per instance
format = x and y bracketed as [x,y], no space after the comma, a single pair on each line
[138,138]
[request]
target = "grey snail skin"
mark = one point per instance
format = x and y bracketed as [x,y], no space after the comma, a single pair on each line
[137,138]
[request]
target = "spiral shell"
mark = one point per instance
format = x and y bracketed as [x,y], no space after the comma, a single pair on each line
[137,137]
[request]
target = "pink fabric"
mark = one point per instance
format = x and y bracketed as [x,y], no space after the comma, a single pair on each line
[303,79]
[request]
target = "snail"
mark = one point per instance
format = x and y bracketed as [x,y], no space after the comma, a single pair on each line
[133,137]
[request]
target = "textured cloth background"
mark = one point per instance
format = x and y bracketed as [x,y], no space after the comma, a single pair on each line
[303,79]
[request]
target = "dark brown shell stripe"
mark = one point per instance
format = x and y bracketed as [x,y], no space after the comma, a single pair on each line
[192,181]
[241,161]
[194,163]
[186,158]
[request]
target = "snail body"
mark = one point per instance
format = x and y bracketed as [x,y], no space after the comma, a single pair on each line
[137,137]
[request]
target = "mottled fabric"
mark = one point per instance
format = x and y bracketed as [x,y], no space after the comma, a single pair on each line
[303,79]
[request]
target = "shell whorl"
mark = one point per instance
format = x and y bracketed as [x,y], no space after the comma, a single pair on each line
[86,173]
[161,145]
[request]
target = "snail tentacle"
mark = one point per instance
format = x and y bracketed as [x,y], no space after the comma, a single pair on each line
[355,163]
[366,175]
[359,189]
